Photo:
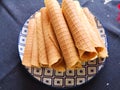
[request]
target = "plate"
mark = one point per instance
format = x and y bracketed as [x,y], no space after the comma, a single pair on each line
[68,78]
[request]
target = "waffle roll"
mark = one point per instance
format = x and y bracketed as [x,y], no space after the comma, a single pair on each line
[55,59]
[91,19]
[41,43]
[63,35]
[34,58]
[78,27]
[29,43]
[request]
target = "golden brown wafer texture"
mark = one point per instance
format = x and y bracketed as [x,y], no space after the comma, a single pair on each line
[91,20]
[34,58]
[79,30]
[41,43]
[62,33]
[53,53]
[29,42]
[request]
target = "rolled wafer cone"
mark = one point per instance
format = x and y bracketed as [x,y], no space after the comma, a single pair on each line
[63,35]
[55,59]
[95,40]
[52,35]
[92,21]
[29,42]
[41,44]
[34,58]
[79,30]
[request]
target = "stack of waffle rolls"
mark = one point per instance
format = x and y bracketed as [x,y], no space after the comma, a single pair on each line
[62,38]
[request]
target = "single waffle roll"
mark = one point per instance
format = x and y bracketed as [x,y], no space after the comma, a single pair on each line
[91,19]
[79,30]
[55,59]
[34,58]
[41,43]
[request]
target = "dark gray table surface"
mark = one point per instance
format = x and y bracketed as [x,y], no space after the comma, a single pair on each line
[13,76]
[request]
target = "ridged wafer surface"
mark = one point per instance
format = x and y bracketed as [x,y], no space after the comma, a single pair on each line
[34,58]
[91,20]
[41,44]
[62,33]
[96,40]
[53,53]
[29,42]
[79,30]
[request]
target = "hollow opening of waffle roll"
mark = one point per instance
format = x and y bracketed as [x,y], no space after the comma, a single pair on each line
[99,49]
[76,66]
[59,66]
[88,56]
